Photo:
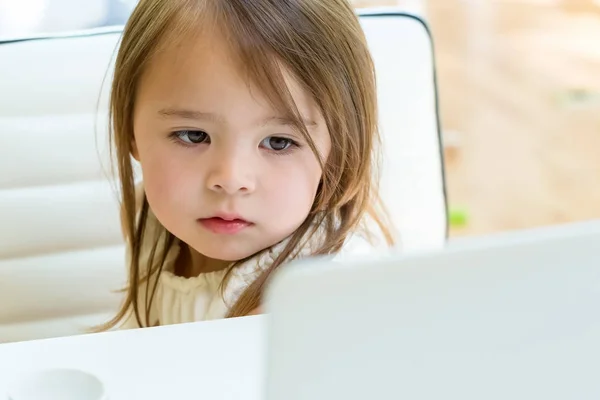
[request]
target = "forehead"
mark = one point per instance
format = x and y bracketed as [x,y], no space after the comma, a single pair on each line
[202,70]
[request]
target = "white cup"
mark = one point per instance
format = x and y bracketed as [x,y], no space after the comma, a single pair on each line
[57,384]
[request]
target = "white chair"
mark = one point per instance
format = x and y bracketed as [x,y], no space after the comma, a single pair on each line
[413,185]
[61,250]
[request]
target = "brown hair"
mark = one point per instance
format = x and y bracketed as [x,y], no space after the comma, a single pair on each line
[322,44]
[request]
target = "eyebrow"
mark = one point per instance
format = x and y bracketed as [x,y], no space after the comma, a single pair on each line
[190,114]
[207,116]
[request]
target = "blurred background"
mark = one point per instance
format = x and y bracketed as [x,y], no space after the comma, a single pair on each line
[519,85]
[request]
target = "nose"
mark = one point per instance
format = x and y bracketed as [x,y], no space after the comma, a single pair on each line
[231,174]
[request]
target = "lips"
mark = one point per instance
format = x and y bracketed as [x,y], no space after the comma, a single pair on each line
[224,225]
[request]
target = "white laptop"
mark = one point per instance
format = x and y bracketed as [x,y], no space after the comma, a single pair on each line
[511,317]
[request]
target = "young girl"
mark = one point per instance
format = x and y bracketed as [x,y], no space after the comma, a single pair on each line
[255,126]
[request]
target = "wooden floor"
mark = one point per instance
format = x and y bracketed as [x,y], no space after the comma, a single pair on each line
[520,101]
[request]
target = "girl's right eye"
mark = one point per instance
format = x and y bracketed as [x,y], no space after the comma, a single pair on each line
[191,137]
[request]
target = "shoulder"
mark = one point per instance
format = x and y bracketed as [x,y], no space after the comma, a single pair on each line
[155,257]
[361,245]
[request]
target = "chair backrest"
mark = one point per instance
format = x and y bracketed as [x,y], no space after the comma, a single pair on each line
[413,185]
[61,250]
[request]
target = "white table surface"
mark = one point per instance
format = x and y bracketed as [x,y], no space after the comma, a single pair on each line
[208,360]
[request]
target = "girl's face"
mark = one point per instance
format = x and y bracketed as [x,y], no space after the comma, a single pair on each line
[222,170]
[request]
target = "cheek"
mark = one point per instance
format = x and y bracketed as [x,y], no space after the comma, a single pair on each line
[293,187]
[165,178]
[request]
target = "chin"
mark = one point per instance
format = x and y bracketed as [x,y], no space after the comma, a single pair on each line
[225,254]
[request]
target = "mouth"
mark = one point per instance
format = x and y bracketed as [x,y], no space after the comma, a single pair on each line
[225,224]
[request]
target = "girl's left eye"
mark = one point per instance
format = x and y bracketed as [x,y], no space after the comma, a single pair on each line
[277,143]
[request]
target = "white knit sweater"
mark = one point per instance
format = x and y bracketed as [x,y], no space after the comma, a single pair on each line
[179,300]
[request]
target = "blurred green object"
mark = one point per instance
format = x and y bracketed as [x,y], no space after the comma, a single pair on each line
[575,97]
[459,217]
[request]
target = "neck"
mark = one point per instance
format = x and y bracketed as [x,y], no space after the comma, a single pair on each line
[191,263]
